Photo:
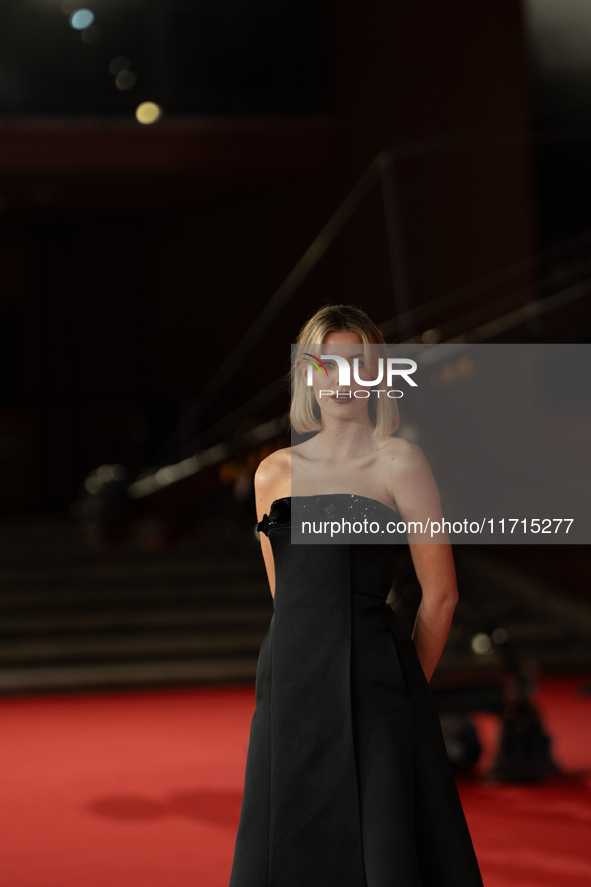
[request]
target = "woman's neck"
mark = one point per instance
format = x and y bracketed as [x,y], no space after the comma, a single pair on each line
[340,441]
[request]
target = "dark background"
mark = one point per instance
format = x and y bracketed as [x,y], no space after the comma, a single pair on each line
[135,259]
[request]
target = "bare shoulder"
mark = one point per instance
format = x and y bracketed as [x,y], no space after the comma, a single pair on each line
[275,465]
[272,478]
[407,474]
[400,455]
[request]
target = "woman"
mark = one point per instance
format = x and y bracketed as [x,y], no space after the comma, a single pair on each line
[347,779]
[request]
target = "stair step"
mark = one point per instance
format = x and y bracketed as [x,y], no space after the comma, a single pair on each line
[111,594]
[136,620]
[128,646]
[121,674]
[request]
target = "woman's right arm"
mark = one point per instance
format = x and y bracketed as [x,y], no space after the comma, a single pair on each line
[270,482]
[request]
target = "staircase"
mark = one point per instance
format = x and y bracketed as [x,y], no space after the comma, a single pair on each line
[73,617]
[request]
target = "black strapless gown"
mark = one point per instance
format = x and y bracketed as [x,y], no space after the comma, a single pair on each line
[347,779]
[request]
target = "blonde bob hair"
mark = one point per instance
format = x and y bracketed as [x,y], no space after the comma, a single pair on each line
[305,412]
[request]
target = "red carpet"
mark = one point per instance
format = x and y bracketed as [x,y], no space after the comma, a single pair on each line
[144,789]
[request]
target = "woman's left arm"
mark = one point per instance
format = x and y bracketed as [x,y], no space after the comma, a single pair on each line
[435,571]
[417,498]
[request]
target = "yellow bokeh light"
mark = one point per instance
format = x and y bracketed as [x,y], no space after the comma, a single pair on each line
[148,112]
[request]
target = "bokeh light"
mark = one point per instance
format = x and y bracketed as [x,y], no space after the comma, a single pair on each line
[148,112]
[125,80]
[81,19]
[481,643]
